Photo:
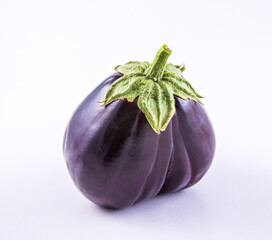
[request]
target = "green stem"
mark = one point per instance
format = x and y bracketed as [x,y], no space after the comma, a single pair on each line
[156,69]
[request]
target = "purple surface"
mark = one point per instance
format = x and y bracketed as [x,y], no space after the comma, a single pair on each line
[115,158]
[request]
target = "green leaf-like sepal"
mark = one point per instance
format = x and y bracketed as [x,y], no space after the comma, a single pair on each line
[132,67]
[155,94]
[157,102]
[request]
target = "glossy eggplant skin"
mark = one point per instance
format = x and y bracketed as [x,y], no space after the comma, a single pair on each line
[116,159]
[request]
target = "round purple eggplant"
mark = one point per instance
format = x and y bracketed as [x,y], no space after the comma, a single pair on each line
[117,155]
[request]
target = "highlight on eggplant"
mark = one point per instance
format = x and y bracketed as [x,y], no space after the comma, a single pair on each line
[143,131]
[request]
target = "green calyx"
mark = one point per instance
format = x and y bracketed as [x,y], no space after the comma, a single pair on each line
[155,85]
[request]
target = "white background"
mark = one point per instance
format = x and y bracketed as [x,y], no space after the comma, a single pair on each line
[53,53]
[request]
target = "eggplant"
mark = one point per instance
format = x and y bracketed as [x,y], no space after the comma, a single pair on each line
[118,153]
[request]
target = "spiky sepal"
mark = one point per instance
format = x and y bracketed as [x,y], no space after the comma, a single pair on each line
[155,95]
